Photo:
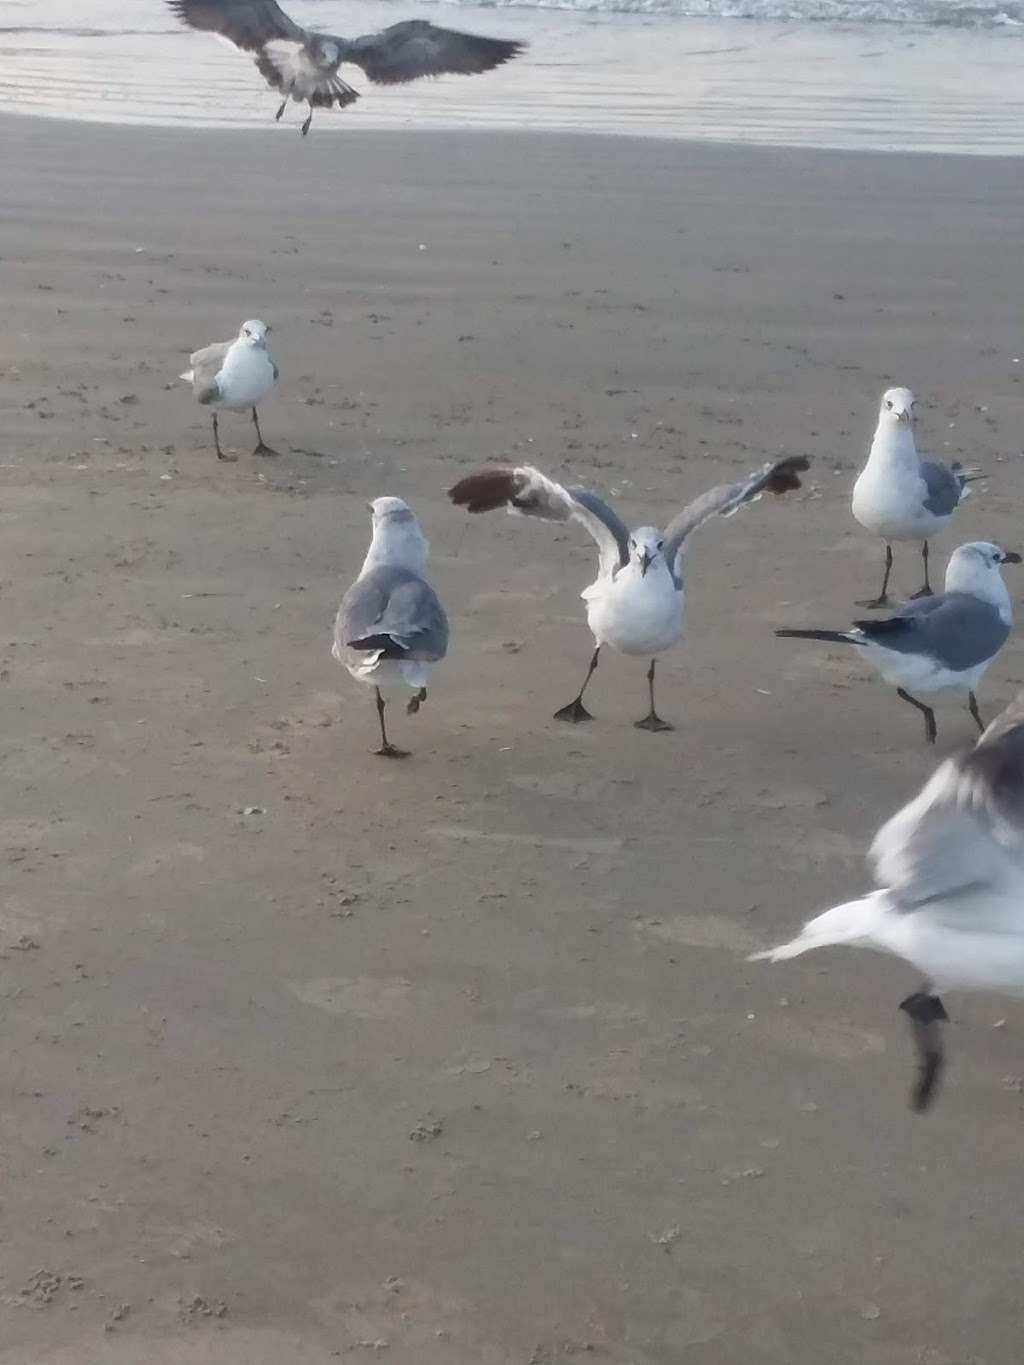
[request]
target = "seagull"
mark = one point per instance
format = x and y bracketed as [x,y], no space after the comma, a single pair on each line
[942,643]
[636,605]
[303,65]
[899,496]
[234,375]
[391,628]
[950,871]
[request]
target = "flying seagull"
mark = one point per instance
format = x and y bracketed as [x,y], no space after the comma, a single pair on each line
[234,375]
[303,64]
[636,605]
[899,496]
[950,868]
[391,629]
[942,643]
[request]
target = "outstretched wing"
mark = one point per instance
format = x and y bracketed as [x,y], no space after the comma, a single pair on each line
[249,24]
[404,52]
[528,493]
[965,829]
[727,498]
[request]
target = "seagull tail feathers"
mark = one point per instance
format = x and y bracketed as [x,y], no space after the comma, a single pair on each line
[188,377]
[853,922]
[836,637]
[966,476]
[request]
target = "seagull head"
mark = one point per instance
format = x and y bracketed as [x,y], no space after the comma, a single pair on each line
[645,547]
[326,53]
[254,332]
[972,566]
[397,537]
[897,407]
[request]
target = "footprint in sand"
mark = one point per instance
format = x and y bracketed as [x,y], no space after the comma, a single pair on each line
[227,1346]
[820,1037]
[563,786]
[700,931]
[364,997]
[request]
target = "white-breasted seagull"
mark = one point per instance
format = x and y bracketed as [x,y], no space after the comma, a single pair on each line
[637,603]
[950,871]
[899,496]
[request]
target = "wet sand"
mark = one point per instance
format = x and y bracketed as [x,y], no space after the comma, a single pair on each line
[459,1061]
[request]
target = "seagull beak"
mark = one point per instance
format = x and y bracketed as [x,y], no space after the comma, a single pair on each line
[1011,557]
[645,563]
[905,415]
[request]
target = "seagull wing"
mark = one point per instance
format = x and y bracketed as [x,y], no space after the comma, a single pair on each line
[527,492]
[404,52]
[249,24]
[724,500]
[206,366]
[964,831]
[393,613]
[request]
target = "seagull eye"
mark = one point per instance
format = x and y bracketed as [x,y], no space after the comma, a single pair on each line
[660,544]
[888,402]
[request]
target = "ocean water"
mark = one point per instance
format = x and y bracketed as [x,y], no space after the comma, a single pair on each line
[920,75]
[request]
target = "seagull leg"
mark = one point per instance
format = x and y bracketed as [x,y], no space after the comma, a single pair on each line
[652,721]
[416,702]
[280,113]
[309,120]
[930,728]
[972,706]
[882,600]
[230,459]
[576,711]
[262,448]
[925,1012]
[387,749]
[926,591]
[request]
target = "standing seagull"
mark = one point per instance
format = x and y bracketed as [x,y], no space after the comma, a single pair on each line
[950,866]
[941,643]
[637,602]
[234,375]
[898,495]
[303,65]
[391,629]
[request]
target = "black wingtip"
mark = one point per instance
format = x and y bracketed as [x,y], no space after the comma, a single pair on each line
[484,491]
[785,474]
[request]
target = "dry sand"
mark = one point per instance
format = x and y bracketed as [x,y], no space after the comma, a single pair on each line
[459,1061]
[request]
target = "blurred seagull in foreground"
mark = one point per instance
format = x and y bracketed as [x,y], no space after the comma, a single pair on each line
[942,643]
[898,495]
[950,868]
[303,65]
[636,605]
[234,375]
[391,629]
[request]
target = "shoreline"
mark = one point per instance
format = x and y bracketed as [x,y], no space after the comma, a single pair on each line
[768,83]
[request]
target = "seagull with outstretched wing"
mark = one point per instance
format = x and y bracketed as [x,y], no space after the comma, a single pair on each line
[950,868]
[636,605]
[303,64]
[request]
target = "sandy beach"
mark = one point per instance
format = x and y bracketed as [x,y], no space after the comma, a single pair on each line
[459,1061]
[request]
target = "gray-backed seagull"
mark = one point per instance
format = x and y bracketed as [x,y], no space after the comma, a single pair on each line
[899,496]
[950,872]
[303,64]
[636,605]
[942,643]
[234,375]
[391,628]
